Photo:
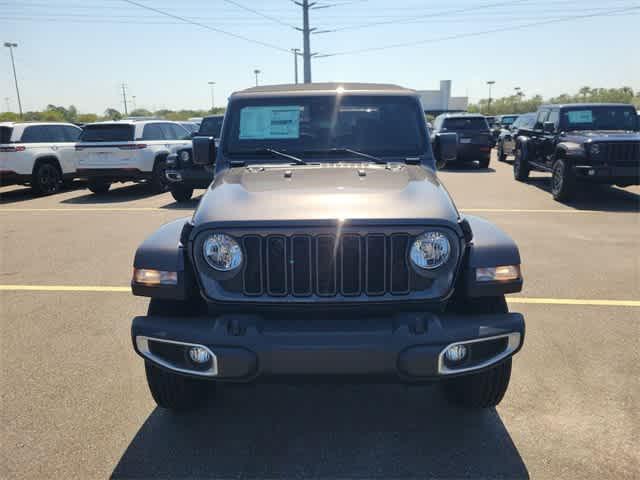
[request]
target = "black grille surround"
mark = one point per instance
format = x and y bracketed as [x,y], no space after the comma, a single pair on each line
[328,266]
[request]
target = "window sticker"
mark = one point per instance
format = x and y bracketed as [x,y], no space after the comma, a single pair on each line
[273,122]
[580,116]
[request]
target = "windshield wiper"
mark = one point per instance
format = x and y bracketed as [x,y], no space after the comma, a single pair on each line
[295,160]
[352,152]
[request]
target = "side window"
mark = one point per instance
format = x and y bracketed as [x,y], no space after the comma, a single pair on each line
[175,131]
[152,131]
[542,117]
[71,134]
[39,134]
[554,117]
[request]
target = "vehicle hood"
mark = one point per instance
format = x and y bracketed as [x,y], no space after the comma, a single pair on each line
[325,192]
[603,136]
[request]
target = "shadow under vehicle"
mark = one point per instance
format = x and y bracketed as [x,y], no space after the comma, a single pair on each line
[326,247]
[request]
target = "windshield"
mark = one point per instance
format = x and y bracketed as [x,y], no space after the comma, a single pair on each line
[211,126]
[508,120]
[107,133]
[376,125]
[599,118]
[466,123]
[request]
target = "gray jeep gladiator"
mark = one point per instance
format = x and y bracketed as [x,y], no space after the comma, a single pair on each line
[326,249]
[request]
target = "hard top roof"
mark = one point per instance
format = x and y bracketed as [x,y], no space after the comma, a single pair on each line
[323,88]
[584,105]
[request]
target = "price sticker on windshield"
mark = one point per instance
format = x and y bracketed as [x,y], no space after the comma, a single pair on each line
[272,122]
[580,116]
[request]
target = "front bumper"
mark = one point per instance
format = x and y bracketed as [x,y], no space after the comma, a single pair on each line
[629,175]
[405,347]
[189,177]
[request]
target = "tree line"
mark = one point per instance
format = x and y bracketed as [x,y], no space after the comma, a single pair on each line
[57,113]
[519,103]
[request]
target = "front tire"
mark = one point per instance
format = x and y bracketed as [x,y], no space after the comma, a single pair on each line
[99,186]
[520,165]
[501,156]
[176,392]
[181,194]
[562,181]
[46,179]
[159,183]
[480,390]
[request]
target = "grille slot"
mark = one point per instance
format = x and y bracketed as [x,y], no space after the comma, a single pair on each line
[303,265]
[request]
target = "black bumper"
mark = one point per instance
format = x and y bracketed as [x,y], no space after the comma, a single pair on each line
[404,347]
[189,177]
[626,175]
[468,152]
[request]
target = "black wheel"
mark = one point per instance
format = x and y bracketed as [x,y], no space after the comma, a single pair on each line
[479,390]
[159,183]
[520,165]
[181,194]
[46,179]
[501,156]
[177,392]
[562,181]
[98,186]
[484,163]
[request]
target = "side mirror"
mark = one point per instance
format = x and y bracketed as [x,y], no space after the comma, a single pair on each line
[548,127]
[446,149]
[204,151]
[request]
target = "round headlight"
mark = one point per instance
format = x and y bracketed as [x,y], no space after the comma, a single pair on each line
[430,250]
[595,149]
[222,252]
[185,156]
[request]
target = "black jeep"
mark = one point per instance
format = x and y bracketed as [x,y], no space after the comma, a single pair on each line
[475,140]
[326,248]
[182,174]
[597,143]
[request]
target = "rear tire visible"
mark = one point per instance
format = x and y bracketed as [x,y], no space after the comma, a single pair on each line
[181,194]
[98,186]
[520,165]
[159,183]
[562,181]
[46,178]
[484,163]
[177,392]
[501,156]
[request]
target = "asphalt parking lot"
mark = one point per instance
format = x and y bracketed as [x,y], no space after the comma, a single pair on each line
[75,402]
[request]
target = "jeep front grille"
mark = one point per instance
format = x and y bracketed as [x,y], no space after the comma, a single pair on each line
[304,265]
[622,153]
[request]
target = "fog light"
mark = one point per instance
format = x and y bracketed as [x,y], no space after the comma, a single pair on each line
[456,353]
[592,172]
[199,355]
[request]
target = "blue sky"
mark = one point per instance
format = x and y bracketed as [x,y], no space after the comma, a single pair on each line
[79,52]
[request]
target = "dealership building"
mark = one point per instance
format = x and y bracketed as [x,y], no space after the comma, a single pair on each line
[435,102]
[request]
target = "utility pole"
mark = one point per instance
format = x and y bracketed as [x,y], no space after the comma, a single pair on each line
[490,83]
[11,46]
[133,102]
[306,34]
[256,72]
[124,98]
[213,104]
[295,62]
[6,101]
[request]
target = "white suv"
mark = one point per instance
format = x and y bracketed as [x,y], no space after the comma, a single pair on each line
[128,150]
[38,154]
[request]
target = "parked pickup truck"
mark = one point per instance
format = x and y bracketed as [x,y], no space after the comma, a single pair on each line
[128,150]
[593,142]
[182,174]
[474,137]
[326,247]
[38,154]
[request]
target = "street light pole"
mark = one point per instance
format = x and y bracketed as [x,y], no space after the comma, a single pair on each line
[11,46]
[490,83]
[213,103]
[295,62]
[256,73]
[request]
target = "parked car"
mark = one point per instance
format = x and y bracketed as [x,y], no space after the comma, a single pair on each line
[501,122]
[474,137]
[591,142]
[182,174]
[506,144]
[38,154]
[127,150]
[326,246]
